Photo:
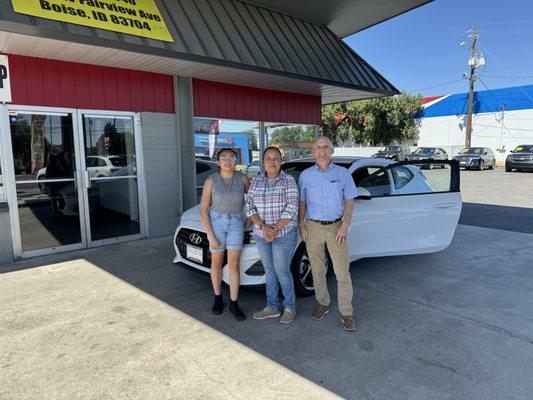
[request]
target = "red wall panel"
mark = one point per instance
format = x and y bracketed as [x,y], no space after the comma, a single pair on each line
[221,100]
[51,83]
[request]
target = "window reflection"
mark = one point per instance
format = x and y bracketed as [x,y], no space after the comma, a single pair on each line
[211,135]
[43,146]
[294,140]
[109,146]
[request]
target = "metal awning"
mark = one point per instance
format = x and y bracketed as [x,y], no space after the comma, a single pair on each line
[343,17]
[222,40]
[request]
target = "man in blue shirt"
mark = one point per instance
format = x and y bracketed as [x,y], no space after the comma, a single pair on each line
[326,204]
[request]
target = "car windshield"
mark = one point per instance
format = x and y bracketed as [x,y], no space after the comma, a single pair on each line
[524,149]
[472,150]
[390,148]
[424,150]
[296,168]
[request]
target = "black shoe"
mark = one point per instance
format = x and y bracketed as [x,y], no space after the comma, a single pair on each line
[218,305]
[236,311]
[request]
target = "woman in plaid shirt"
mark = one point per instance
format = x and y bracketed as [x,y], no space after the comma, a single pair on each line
[272,205]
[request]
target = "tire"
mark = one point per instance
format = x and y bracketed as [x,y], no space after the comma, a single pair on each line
[491,167]
[508,169]
[301,272]
[42,186]
[481,165]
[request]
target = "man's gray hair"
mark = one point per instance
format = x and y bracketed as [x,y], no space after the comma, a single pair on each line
[322,137]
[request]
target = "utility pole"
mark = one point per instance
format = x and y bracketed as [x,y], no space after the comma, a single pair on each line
[475,60]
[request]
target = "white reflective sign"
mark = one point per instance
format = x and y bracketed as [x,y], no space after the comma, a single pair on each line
[5,84]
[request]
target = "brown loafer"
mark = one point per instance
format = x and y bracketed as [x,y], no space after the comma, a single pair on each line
[348,322]
[320,311]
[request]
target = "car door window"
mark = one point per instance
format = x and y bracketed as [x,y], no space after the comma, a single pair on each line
[101,163]
[401,176]
[90,162]
[409,179]
[378,183]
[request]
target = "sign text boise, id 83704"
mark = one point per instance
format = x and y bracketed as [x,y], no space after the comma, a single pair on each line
[134,17]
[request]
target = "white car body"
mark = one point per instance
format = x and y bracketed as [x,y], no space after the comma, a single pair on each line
[412,220]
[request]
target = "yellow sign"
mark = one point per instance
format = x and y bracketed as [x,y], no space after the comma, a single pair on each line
[134,17]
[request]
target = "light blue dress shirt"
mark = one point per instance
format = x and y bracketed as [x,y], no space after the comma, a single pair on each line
[325,192]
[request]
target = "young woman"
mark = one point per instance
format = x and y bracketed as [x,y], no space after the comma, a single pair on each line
[221,213]
[272,205]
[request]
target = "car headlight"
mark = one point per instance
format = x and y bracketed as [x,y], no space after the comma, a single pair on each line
[248,237]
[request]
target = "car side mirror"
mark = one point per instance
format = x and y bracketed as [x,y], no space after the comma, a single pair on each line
[364,194]
[486,153]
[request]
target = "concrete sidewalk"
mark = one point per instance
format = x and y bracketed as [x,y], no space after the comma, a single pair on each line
[123,322]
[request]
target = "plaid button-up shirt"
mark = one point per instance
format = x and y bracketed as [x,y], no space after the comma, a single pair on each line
[279,201]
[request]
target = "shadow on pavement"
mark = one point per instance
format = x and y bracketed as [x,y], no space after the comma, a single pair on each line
[516,219]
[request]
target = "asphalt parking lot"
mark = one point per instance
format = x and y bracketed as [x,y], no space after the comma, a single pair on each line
[123,322]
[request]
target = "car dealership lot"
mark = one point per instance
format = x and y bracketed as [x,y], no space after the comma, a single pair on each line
[123,322]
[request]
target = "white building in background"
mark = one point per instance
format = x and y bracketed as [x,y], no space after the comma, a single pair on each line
[503,119]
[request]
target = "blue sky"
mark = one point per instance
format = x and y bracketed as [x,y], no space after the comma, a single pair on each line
[421,48]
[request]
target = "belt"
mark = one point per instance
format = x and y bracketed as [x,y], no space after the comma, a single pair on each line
[325,222]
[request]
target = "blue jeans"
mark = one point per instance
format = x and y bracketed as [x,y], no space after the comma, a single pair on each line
[276,258]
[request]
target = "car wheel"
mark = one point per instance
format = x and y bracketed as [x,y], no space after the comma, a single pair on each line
[42,186]
[481,165]
[491,167]
[508,169]
[431,166]
[301,272]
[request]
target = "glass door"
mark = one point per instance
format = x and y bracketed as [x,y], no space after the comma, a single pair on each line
[110,177]
[44,155]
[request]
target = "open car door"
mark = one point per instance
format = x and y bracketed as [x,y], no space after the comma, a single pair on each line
[410,207]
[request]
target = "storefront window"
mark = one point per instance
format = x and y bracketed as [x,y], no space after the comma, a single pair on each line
[211,135]
[294,140]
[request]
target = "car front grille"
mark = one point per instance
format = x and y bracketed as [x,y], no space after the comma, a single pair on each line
[526,159]
[184,238]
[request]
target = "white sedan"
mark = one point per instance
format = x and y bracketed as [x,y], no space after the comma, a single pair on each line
[401,210]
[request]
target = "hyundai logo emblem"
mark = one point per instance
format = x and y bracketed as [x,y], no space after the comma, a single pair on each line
[195,238]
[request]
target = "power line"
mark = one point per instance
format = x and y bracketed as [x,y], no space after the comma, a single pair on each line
[435,86]
[509,76]
[504,70]
[490,91]
[526,21]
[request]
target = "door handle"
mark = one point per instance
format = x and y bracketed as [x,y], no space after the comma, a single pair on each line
[86,180]
[444,205]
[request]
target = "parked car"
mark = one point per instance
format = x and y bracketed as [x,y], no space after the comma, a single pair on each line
[397,153]
[428,153]
[387,221]
[253,169]
[520,158]
[203,170]
[97,166]
[476,158]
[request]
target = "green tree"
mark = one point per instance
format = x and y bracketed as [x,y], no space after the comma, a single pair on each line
[375,121]
[290,134]
[252,137]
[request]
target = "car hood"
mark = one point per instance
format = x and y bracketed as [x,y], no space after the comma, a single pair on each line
[192,214]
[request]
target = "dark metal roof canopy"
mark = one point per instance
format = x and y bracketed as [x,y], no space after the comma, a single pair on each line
[231,34]
[343,17]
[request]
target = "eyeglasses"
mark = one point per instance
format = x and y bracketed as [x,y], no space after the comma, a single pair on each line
[227,158]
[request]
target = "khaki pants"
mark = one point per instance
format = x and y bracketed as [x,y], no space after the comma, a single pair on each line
[320,236]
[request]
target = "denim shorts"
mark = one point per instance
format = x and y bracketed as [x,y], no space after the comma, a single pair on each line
[228,229]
